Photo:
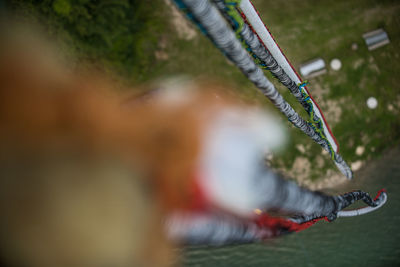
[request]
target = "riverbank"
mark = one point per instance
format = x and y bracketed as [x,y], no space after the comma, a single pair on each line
[369,168]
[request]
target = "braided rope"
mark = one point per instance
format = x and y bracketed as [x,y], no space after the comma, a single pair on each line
[210,21]
[263,58]
[345,200]
[253,19]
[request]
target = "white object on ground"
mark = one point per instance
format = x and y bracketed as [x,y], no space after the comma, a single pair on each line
[372,103]
[336,64]
[313,68]
[376,38]
[360,150]
[355,166]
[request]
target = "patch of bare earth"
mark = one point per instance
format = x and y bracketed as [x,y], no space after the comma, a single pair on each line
[317,91]
[334,42]
[388,12]
[394,107]
[301,148]
[181,24]
[330,108]
[332,111]
[330,180]
[363,83]
[398,101]
[357,63]
[300,170]
[162,45]
[372,65]
[355,166]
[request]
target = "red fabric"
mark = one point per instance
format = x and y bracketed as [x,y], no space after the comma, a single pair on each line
[379,193]
[197,200]
[277,224]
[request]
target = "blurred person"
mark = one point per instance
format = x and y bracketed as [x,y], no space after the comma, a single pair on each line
[229,184]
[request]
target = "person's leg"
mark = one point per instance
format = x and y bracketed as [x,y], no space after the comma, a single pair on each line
[213,229]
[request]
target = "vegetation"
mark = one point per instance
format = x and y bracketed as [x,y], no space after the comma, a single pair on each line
[142,40]
[117,34]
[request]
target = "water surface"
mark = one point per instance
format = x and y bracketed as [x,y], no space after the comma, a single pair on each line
[368,240]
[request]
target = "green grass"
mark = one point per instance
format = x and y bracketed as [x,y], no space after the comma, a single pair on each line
[119,36]
[304,30]
[309,29]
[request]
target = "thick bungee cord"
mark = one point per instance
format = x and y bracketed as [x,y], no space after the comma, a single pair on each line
[253,19]
[264,59]
[344,201]
[380,200]
[211,22]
